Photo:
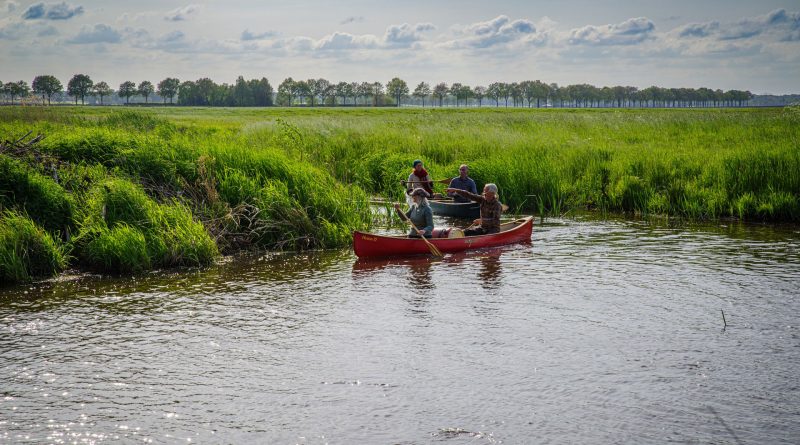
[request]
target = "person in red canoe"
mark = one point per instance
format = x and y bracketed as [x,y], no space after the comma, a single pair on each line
[420,214]
[491,209]
[419,178]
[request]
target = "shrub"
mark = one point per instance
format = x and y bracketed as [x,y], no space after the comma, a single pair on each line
[121,249]
[630,193]
[26,250]
[126,231]
[48,204]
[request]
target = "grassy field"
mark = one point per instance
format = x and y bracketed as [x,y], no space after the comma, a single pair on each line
[126,190]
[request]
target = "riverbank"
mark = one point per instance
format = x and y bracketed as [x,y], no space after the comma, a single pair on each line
[124,191]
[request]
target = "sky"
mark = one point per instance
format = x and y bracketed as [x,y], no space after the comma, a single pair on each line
[727,44]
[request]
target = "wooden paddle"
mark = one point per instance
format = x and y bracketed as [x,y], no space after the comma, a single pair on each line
[434,250]
[440,181]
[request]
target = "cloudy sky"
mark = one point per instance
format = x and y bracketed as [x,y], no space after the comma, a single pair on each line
[728,44]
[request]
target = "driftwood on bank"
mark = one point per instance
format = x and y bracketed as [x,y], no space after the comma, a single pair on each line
[27,151]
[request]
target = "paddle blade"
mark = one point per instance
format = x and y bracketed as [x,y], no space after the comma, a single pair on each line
[434,250]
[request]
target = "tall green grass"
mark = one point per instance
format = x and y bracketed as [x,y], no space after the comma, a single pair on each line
[26,250]
[25,189]
[126,231]
[703,164]
[139,189]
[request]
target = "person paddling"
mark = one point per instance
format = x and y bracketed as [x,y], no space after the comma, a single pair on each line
[419,178]
[491,209]
[420,214]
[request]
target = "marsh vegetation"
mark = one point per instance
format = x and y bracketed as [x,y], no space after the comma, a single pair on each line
[129,190]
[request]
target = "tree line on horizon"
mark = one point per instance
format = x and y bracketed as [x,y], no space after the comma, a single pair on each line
[396,92]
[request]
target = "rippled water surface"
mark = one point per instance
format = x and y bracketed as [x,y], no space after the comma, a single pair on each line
[596,332]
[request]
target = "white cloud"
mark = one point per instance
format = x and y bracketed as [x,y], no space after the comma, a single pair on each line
[99,33]
[47,31]
[11,6]
[13,31]
[629,32]
[21,30]
[405,35]
[345,41]
[180,14]
[498,31]
[247,35]
[51,11]
[778,25]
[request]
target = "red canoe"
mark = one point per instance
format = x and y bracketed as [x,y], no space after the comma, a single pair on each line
[371,245]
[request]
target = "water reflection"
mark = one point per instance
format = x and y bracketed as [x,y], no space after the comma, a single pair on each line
[490,270]
[418,269]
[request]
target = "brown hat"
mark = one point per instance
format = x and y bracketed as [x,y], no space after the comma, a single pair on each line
[420,192]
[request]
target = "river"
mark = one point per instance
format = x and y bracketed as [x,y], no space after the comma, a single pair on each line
[599,331]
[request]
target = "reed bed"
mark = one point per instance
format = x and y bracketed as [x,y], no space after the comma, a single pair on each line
[130,190]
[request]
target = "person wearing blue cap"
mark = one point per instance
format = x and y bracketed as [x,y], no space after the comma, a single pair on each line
[419,178]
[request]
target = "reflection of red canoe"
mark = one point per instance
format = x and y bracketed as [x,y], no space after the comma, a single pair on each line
[371,245]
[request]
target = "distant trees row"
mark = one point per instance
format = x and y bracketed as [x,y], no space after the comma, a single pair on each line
[321,92]
[244,93]
[313,92]
[202,92]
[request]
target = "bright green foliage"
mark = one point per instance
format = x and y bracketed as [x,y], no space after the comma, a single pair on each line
[299,178]
[23,188]
[26,250]
[121,249]
[126,231]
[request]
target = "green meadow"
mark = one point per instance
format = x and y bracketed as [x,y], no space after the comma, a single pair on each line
[126,190]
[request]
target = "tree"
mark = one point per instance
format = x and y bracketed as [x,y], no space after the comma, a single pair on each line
[440,91]
[17,89]
[320,88]
[479,92]
[495,91]
[127,90]
[353,89]
[101,89]
[168,88]
[303,89]
[46,85]
[365,91]
[466,93]
[145,89]
[187,93]
[286,92]
[505,91]
[340,90]
[422,91]
[262,92]
[398,89]
[79,86]
[377,91]
[206,91]
[455,90]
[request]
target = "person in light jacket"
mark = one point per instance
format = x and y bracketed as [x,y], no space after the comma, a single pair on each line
[419,213]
